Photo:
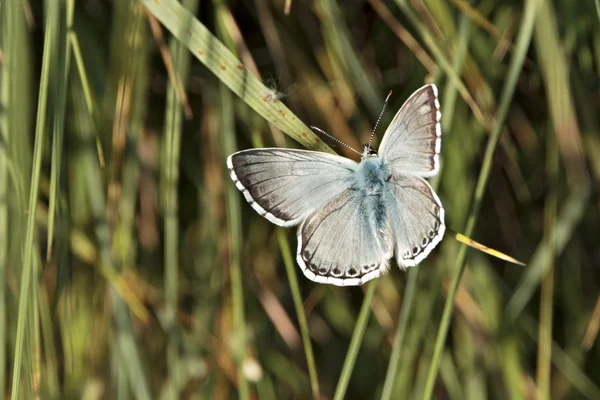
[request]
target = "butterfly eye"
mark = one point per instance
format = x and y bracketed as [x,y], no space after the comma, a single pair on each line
[368,150]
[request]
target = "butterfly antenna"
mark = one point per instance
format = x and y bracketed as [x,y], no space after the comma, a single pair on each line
[334,138]
[380,115]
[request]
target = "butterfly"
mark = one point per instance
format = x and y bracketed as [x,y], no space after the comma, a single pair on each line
[354,217]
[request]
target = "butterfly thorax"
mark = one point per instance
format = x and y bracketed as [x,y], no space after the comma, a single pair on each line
[371,175]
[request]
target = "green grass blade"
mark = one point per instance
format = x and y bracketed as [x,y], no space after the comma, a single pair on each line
[400,332]
[173,130]
[357,337]
[234,228]
[231,71]
[4,177]
[523,40]
[547,294]
[63,64]
[50,378]
[290,268]
[27,277]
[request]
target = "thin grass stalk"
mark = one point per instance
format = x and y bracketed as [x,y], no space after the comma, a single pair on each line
[63,64]
[357,337]
[34,332]
[458,63]
[78,58]
[15,118]
[555,73]
[172,136]
[173,129]
[233,217]
[4,178]
[50,375]
[391,374]
[235,237]
[450,375]
[544,360]
[27,276]
[290,269]
[523,40]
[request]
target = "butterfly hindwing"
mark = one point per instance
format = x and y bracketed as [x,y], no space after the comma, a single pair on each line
[344,243]
[286,185]
[416,218]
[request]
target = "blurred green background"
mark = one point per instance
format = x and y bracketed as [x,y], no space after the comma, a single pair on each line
[131,267]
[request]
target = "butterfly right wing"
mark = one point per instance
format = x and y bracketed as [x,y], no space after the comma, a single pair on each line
[285,185]
[412,142]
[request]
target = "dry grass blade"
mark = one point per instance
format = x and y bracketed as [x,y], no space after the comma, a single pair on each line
[471,243]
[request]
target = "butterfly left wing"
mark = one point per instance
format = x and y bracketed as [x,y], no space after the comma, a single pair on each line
[346,242]
[412,142]
[285,185]
[416,218]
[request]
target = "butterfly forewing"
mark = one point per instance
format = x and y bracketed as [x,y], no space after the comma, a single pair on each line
[412,142]
[285,185]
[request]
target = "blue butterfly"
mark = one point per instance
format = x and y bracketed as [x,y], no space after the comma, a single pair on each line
[354,217]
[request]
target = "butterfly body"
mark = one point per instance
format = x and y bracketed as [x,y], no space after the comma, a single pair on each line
[354,217]
[371,175]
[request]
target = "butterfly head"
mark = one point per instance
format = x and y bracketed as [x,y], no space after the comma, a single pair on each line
[368,151]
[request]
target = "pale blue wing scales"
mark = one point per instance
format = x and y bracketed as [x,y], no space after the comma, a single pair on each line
[285,185]
[416,218]
[343,243]
[412,142]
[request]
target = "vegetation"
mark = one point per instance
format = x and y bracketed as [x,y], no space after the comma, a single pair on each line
[132,268]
